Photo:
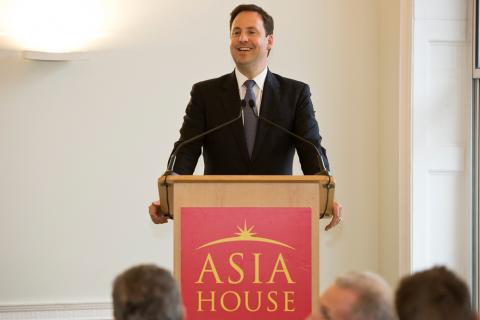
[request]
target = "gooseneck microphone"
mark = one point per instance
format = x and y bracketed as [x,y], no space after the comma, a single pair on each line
[173,156]
[323,170]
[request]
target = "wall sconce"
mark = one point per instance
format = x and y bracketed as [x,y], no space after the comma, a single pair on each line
[53,56]
[55,30]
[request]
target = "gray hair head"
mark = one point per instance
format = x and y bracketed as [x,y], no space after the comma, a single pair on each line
[374,296]
[146,292]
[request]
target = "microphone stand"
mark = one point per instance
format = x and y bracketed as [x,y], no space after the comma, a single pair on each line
[173,156]
[323,171]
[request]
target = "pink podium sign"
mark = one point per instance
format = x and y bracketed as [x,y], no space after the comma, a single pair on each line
[246,263]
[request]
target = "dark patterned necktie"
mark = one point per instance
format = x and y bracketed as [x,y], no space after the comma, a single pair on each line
[249,119]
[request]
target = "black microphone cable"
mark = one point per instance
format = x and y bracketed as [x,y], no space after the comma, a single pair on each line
[173,156]
[323,171]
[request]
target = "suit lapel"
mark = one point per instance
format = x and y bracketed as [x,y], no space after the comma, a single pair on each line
[270,104]
[231,106]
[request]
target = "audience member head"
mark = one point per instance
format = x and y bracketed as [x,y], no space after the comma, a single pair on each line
[357,296]
[146,292]
[433,294]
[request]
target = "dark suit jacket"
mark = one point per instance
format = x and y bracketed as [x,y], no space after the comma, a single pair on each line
[284,101]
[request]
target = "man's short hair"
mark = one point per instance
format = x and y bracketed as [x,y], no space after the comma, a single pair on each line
[146,292]
[267,19]
[433,294]
[374,296]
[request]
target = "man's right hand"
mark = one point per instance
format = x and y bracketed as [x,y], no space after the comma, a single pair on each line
[155,213]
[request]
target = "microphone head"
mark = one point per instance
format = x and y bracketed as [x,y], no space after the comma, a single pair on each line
[251,103]
[243,103]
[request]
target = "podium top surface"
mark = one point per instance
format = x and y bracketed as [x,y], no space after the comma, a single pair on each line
[247,179]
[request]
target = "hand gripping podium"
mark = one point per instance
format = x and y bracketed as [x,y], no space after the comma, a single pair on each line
[247,247]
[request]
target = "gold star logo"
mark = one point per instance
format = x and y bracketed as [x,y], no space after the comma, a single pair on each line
[246,234]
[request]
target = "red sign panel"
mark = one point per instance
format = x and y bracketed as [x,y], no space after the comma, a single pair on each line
[246,263]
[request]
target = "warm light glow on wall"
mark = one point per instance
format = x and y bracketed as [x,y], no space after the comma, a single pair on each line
[55,25]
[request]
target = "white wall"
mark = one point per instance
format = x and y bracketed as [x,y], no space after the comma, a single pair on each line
[82,143]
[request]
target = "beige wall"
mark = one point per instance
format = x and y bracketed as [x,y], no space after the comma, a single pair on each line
[83,142]
[389,27]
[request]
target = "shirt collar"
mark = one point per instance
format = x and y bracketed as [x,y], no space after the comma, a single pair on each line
[259,78]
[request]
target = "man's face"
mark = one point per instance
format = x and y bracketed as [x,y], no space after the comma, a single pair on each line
[249,44]
[335,303]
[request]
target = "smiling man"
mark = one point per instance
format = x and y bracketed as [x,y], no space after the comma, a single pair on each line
[250,41]
[250,146]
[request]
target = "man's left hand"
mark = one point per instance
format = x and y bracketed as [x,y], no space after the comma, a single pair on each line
[336,217]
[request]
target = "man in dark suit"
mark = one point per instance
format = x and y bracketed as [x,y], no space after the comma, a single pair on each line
[284,101]
[250,146]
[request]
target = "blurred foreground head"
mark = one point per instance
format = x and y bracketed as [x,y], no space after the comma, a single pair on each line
[433,294]
[357,296]
[146,292]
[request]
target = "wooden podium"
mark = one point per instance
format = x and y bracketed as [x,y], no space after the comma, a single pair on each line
[213,199]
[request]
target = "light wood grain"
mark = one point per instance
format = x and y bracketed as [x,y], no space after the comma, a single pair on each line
[249,191]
